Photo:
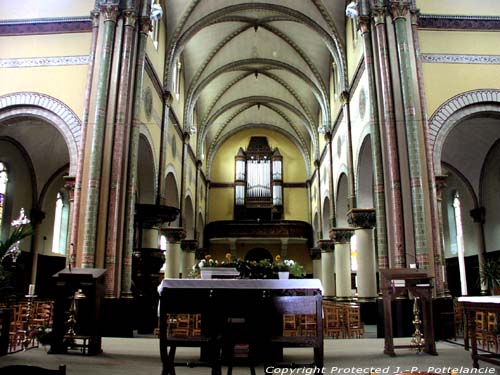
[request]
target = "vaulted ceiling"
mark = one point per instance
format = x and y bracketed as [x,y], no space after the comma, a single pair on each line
[254,64]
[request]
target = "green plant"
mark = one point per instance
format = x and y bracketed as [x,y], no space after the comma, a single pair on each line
[289,265]
[489,274]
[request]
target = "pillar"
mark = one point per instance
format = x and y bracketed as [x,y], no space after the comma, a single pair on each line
[417,163]
[315,253]
[327,267]
[395,230]
[109,13]
[173,254]
[150,238]
[341,237]
[363,220]
[376,143]
[442,276]
[188,260]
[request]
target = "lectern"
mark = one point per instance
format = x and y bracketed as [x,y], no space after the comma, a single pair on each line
[418,282]
[77,311]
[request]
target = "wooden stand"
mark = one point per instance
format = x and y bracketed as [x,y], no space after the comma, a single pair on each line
[86,334]
[397,281]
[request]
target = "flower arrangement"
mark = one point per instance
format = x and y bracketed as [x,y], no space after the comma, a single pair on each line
[250,269]
[289,265]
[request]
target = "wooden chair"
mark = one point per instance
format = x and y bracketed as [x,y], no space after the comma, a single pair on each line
[354,325]
[303,305]
[31,370]
[333,325]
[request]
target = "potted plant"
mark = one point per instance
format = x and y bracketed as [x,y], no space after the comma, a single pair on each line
[284,266]
[490,275]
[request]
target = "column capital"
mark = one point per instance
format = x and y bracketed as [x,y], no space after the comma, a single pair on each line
[174,234]
[315,253]
[326,246]
[341,235]
[69,185]
[94,15]
[189,245]
[378,14]
[168,98]
[440,183]
[399,8]
[364,24]
[328,137]
[130,17]
[145,25]
[364,218]
[110,12]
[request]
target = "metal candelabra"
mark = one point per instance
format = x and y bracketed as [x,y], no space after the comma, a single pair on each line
[417,340]
[29,317]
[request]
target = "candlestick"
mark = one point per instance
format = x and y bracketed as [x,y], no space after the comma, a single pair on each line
[31,289]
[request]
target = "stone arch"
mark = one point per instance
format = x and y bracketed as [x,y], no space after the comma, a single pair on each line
[48,109]
[453,111]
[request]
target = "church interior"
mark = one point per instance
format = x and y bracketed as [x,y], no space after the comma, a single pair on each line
[141,139]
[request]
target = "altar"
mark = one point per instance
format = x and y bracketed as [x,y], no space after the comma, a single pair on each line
[259,306]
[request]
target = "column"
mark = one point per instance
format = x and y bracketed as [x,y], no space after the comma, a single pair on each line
[395,232]
[364,221]
[441,277]
[115,226]
[478,216]
[376,144]
[150,238]
[351,190]
[188,260]
[70,185]
[415,145]
[173,254]
[327,267]
[341,237]
[315,253]
[126,276]
[109,13]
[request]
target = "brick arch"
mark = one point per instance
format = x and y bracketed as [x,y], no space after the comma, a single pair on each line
[455,110]
[51,110]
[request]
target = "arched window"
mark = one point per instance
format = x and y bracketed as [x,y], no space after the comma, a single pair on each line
[60,233]
[3,190]
[163,242]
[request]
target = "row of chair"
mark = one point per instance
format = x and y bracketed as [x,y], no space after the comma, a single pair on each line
[26,320]
[341,320]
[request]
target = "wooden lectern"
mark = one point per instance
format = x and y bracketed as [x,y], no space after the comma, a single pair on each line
[396,281]
[81,290]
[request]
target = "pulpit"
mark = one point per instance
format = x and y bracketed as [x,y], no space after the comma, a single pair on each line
[77,311]
[419,283]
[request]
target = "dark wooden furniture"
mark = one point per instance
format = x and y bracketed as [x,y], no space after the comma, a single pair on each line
[395,282]
[5,318]
[31,370]
[472,305]
[258,304]
[87,329]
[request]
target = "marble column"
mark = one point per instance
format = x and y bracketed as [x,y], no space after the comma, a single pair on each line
[364,221]
[441,275]
[315,253]
[132,180]
[173,254]
[416,147]
[188,260]
[376,144]
[341,237]
[327,267]
[109,13]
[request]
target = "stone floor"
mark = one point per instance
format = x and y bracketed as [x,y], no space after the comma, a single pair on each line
[356,356]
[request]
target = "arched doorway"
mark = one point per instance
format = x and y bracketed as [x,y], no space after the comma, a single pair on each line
[364,185]
[341,204]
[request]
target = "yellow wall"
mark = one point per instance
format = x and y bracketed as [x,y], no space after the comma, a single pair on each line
[10,9]
[220,204]
[354,50]
[223,162]
[443,81]
[72,44]
[221,200]
[460,7]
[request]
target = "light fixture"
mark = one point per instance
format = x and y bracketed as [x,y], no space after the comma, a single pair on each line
[352,10]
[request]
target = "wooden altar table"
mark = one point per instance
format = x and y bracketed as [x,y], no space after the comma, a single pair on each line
[260,304]
[471,306]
